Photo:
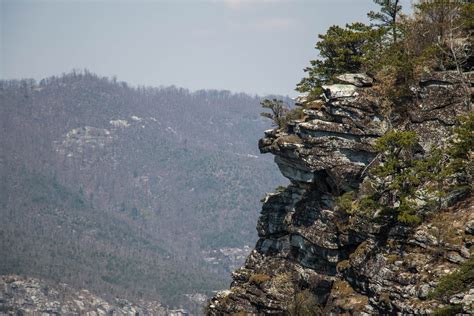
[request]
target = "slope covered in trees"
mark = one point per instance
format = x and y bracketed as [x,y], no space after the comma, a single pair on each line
[126,191]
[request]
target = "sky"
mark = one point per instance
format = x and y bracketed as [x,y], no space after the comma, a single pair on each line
[253,46]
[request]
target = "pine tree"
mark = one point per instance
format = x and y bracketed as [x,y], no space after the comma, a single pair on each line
[278,109]
[342,50]
[387,17]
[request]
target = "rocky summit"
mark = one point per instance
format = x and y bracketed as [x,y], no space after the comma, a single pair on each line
[350,265]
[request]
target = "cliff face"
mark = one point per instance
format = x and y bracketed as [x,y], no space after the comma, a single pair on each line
[308,252]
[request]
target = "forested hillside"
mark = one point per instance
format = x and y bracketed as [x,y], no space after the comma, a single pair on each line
[127,191]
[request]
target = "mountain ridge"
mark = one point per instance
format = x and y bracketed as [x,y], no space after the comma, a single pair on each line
[134,173]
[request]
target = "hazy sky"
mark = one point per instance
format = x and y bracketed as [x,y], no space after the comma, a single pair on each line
[254,46]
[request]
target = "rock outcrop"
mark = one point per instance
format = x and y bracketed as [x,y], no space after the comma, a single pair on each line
[349,265]
[32,296]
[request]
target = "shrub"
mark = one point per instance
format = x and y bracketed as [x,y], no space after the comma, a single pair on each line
[460,150]
[407,179]
[393,189]
[278,110]
[304,304]
[448,310]
[443,23]
[456,282]
[344,202]
[399,172]
[293,114]
[259,278]
[343,265]
[280,114]
[407,176]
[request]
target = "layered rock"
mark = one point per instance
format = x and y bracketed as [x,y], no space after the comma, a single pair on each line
[32,296]
[349,265]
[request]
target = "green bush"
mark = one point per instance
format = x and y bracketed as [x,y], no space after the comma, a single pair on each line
[449,310]
[304,304]
[278,110]
[344,202]
[460,150]
[399,169]
[456,282]
[396,182]
[280,114]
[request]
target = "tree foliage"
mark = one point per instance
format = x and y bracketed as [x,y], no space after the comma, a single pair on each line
[278,110]
[461,150]
[342,50]
[400,166]
[387,16]
[304,304]
[396,49]
[280,114]
[456,282]
[444,27]
[398,177]
[408,180]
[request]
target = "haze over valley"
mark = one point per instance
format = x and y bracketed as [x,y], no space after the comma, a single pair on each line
[132,192]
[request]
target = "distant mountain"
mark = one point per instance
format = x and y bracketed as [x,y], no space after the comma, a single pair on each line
[137,192]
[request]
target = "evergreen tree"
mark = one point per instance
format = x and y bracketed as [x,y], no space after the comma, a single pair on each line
[342,50]
[387,17]
[278,110]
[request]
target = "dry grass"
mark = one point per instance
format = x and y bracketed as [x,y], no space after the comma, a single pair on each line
[259,278]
